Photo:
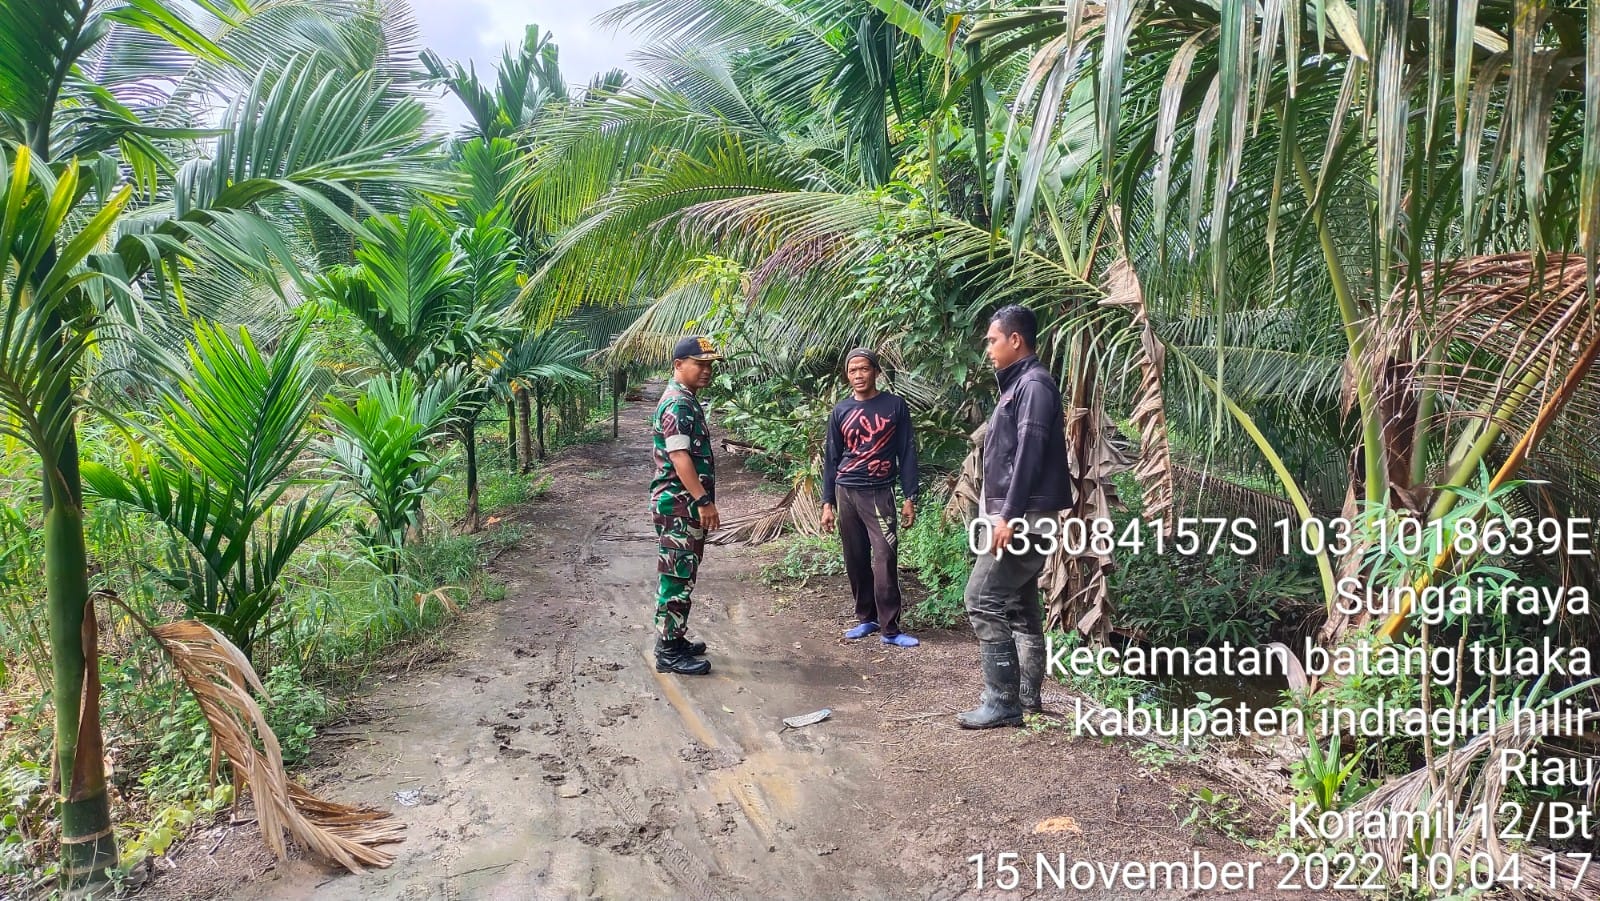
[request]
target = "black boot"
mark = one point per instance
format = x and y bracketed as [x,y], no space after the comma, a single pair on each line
[1030,667]
[999,706]
[688,648]
[672,656]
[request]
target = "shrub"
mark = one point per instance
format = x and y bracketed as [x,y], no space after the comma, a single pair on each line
[936,551]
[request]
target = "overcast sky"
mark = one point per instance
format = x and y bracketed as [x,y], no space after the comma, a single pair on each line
[477,30]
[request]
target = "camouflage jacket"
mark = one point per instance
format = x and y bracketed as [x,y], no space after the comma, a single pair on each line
[680,424]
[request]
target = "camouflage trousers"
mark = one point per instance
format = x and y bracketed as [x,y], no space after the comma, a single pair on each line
[680,544]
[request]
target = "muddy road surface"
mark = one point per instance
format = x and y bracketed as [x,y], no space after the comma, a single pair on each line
[545,757]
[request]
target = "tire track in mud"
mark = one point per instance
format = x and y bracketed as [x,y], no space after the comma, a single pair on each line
[686,871]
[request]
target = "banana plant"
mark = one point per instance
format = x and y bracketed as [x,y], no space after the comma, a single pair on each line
[382,450]
[231,428]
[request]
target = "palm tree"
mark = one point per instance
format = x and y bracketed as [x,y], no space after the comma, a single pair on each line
[438,301]
[527,80]
[549,360]
[383,450]
[1260,135]
[78,102]
[528,87]
[39,356]
[1327,166]
[235,421]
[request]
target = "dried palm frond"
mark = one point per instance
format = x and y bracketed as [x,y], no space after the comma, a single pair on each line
[1075,586]
[1211,494]
[1495,342]
[1155,470]
[1494,339]
[440,594]
[1463,786]
[799,508]
[967,490]
[221,679]
[1501,345]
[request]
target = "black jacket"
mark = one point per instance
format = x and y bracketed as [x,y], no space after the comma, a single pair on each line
[1025,449]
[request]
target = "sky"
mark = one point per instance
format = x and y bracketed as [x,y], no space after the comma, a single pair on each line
[477,30]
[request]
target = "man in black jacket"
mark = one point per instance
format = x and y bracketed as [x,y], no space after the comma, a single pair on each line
[1026,483]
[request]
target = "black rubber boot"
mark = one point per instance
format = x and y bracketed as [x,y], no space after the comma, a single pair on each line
[1030,669]
[999,706]
[671,658]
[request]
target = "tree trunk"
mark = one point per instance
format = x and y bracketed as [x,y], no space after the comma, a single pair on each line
[525,406]
[469,438]
[539,415]
[88,848]
[511,430]
[614,412]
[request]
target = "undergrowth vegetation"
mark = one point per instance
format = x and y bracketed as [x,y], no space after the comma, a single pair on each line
[341,616]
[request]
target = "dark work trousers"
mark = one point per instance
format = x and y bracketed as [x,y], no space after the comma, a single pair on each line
[1002,595]
[868,532]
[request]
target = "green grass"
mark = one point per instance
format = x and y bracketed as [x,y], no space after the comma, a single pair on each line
[805,557]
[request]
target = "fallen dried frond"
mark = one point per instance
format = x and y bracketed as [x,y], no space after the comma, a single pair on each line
[221,679]
[1456,792]
[799,508]
[440,594]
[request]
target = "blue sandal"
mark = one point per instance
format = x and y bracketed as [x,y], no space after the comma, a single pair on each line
[862,631]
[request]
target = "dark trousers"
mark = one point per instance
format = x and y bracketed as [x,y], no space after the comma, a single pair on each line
[868,533]
[1002,595]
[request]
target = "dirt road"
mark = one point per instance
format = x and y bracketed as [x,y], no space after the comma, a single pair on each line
[547,758]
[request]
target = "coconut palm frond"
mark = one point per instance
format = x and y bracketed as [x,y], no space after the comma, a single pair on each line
[1496,336]
[1155,469]
[222,681]
[1466,784]
[800,509]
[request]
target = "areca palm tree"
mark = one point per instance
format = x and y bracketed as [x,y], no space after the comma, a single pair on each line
[72,117]
[40,353]
[235,421]
[438,301]
[527,80]
[548,360]
[382,449]
[528,89]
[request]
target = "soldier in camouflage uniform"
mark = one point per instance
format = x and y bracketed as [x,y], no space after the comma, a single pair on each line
[682,502]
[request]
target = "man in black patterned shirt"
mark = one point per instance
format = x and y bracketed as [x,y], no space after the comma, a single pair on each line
[869,445]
